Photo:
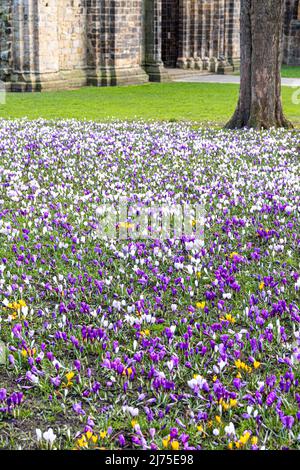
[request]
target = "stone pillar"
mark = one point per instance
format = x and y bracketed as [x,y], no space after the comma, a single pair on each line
[48,46]
[45,45]
[221,60]
[195,59]
[101,47]
[184,34]
[226,13]
[34,50]
[291,39]
[72,40]
[93,36]
[205,27]
[5,40]
[294,43]
[153,63]
[213,36]
[115,42]
[200,37]
[233,34]
[38,29]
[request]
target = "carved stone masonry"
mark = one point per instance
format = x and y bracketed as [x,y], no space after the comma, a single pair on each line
[52,44]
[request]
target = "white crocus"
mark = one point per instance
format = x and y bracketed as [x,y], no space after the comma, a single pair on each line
[49,436]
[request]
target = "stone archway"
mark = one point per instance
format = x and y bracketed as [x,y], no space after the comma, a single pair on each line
[170,26]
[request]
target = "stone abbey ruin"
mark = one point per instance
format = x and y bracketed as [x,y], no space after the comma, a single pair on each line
[53,44]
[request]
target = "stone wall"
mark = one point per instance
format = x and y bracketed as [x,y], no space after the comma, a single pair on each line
[209,34]
[5,39]
[72,34]
[192,34]
[291,42]
[115,42]
[27,53]
[48,44]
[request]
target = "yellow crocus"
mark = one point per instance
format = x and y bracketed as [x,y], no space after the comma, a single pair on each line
[245,438]
[200,305]
[175,445]
[82,442]
[145,333]
[230,318]
[166,441]
[69,377]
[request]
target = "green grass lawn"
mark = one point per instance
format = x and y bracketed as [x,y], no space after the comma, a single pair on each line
[289,71]
[200,102]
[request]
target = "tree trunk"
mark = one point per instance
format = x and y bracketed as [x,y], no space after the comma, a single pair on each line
[259,104]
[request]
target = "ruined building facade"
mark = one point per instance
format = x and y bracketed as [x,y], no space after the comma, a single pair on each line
[48,44]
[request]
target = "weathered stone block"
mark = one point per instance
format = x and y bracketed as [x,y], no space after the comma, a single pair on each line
[48,44]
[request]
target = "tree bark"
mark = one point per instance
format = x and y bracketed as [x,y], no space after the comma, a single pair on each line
[259,105]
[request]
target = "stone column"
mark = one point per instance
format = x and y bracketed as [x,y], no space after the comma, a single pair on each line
[293,51]
[184,34]
[115,43]
[212,35]
[18,20]
[26,53]
[190,35]
[205,23]
[35,64]
[233,45]
[5,40]
[195,16]
[225,30]
[72,41]
[93,27]
[153,63]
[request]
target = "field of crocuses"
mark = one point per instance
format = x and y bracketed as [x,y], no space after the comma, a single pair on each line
[148,344]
